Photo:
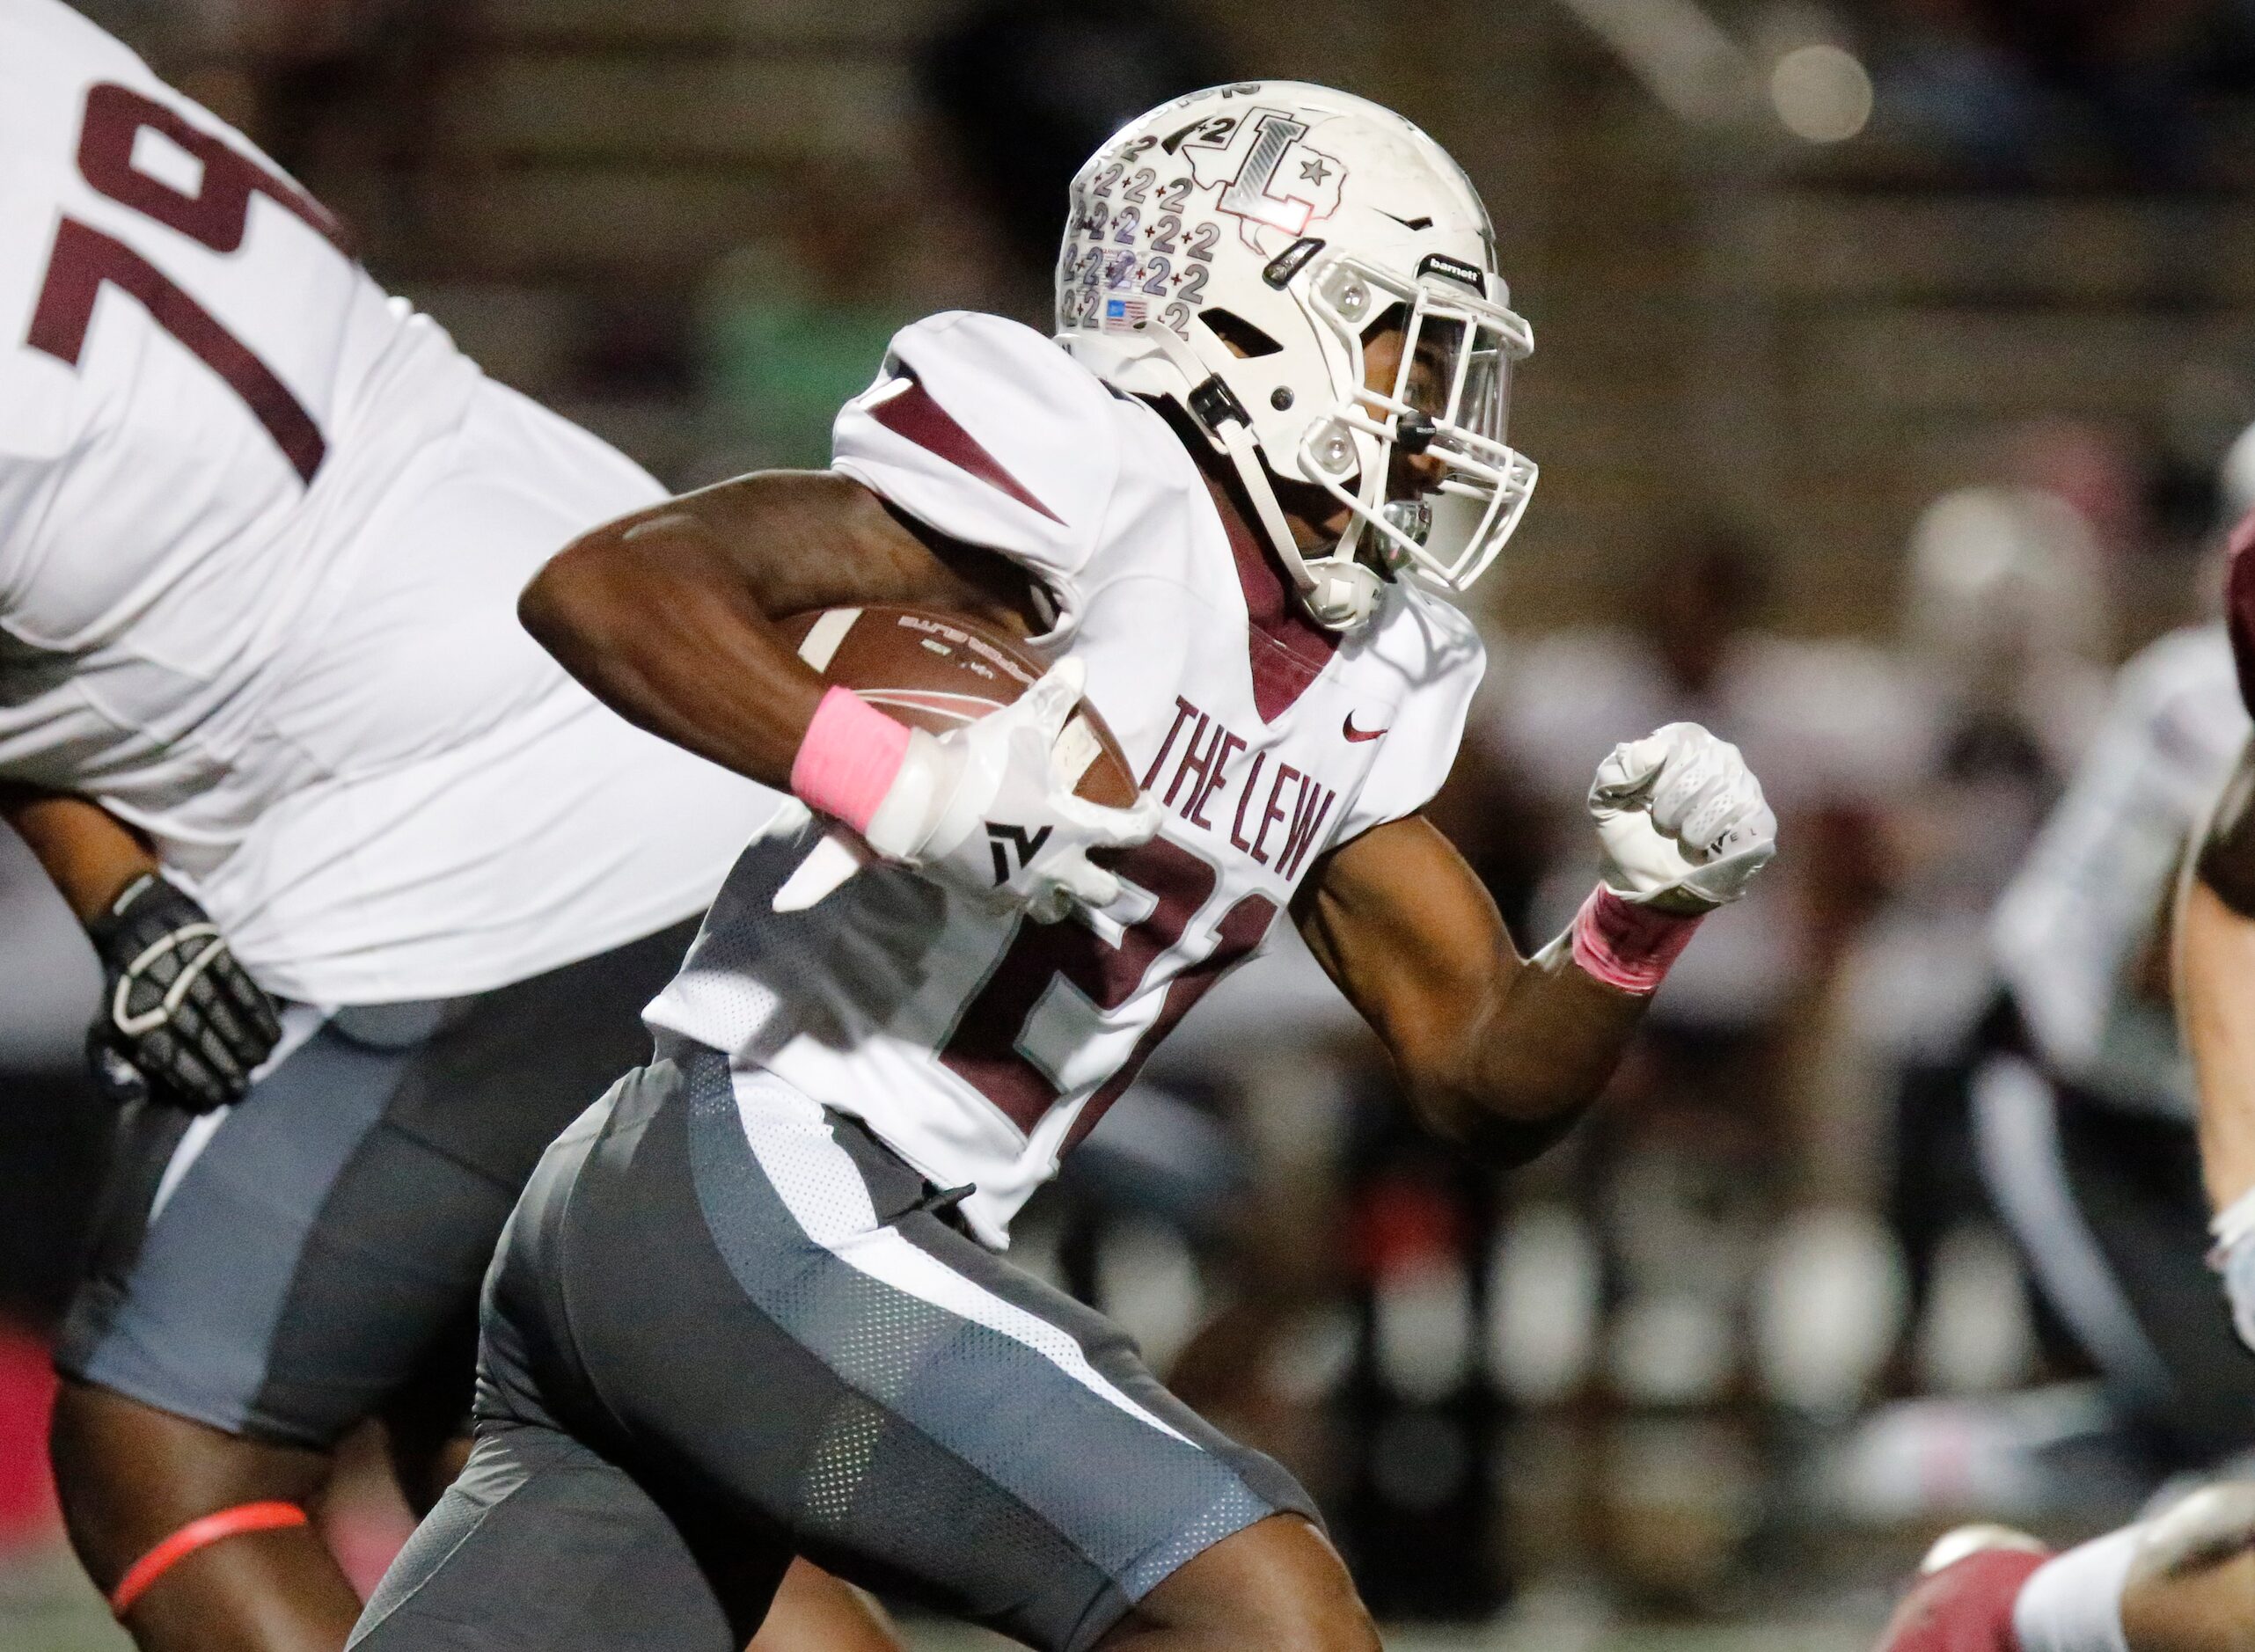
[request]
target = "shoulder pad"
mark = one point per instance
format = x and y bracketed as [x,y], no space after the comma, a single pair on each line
[989,433]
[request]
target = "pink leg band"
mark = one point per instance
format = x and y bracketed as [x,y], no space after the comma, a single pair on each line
[1627,945]
[200,1534]
[848,759]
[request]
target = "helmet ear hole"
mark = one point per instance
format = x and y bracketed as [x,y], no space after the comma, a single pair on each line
[1241,336]
[1394,315]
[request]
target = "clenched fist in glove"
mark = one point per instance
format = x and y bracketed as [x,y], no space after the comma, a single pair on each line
[1682,820]
[1684,826]
[180,1016]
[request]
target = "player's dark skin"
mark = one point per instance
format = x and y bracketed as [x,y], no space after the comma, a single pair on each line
[130,1475]
[670,615]
[2192,1587]
[2214,938]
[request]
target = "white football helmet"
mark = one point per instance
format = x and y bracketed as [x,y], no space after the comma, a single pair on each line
[1230,250]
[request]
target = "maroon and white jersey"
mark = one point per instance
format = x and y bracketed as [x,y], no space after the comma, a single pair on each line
[982,1047]
[262,531]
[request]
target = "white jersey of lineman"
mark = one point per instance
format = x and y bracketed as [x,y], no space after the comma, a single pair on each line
[2075,932]
[981,1047]
[261,534]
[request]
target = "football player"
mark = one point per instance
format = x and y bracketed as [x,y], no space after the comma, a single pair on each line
[752,1304]
[379,891]
[2083,1112]
[2183,1581]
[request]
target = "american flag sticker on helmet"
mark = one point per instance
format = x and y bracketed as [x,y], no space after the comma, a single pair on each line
[1124,314]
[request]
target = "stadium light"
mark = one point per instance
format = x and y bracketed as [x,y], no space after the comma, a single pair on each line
[1821,94]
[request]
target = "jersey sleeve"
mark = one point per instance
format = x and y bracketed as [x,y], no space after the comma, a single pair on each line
[1442,660]
[2096,884]
[987,432]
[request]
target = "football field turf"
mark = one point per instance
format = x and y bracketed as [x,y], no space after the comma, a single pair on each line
[46,1606]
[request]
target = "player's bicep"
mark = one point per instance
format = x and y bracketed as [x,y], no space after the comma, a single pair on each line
[1401,925]
[2224,858]
[797,539]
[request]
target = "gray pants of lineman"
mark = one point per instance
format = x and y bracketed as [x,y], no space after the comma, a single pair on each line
[310,1257]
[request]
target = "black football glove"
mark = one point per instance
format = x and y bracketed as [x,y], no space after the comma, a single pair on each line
[179,1014]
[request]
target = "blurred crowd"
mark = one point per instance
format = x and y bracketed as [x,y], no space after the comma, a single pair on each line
[1781,1286]
[2016,92]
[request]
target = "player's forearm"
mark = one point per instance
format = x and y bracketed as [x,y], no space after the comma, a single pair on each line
[663,628]
[181,1020]
[2191,1584]
[667,615]
[86,853]
[1498,1055]
[2215,966]
[2215,998]
[1535,1053]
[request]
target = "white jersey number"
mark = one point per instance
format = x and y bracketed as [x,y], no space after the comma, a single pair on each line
[987,1047]
[216,215]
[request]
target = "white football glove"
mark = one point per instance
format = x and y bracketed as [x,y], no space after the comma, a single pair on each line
[988,810]
[1682,819]
[2234,1257]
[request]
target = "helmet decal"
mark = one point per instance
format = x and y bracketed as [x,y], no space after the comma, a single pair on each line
[1137,245]
[1129,259]
[1279,182]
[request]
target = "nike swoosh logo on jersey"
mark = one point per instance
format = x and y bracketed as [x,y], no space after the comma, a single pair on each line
[1358,735]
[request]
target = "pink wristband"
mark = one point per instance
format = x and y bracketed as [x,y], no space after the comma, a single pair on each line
[1627,945]
[848,760]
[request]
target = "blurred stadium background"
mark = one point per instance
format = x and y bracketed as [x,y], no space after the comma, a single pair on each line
[1888,350]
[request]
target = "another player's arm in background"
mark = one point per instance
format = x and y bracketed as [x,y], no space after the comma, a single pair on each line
[2215,999]
[87,853]
[179,1015]
[1498,1053]
[668,615]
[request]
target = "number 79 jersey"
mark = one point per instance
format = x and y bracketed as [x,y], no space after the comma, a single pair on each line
[192,367]
[983,1046]
[262,532]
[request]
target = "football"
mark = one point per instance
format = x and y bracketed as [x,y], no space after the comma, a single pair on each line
[937,671]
